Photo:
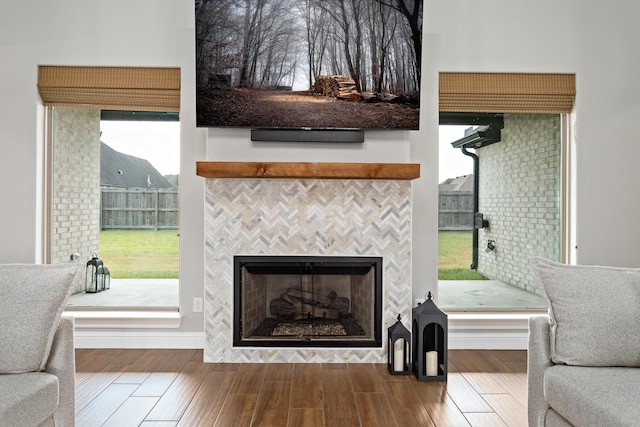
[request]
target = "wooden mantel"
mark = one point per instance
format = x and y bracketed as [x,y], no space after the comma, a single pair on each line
[307,170]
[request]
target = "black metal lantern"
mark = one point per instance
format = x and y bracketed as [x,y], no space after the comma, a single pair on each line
[106,278]
[103,278]
[93,281]
[429,329]
[398,348]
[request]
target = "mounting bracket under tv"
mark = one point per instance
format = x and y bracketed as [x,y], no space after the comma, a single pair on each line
[308,135]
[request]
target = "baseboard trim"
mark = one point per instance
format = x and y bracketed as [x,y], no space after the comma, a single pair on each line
[477,341]
[139,339]
[489,331]
[466,332]
[125,319]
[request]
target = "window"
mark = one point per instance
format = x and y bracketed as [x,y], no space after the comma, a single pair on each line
[79,100]
[520,184]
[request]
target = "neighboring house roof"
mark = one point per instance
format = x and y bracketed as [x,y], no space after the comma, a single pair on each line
[461,183]
[122,170]
[174,180]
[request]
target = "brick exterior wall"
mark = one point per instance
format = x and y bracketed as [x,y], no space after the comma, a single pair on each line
[520,196]
[76,184]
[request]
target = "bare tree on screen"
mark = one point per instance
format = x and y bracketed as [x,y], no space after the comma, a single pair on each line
[412,12]
[215,50]
[262,43]
[347,14]
[317,30]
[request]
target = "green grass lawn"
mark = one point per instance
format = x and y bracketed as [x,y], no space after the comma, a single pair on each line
[455,254]
[140,254]
[145,254]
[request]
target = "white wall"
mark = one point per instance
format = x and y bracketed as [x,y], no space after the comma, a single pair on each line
[595,40]
[153,33]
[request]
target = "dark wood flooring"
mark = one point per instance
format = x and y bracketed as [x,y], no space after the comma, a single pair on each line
[175,388]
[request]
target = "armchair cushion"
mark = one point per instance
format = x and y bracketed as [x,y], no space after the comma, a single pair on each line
[594,313]
[27,399]
[593,396]
[30,311]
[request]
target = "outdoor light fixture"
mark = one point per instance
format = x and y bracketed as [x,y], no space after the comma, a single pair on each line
[430,326]
[398,349]
[491,246]
[479,221]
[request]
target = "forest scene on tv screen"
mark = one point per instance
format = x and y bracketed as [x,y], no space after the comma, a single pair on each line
[339,64]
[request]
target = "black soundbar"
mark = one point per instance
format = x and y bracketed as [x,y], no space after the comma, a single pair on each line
[308,135]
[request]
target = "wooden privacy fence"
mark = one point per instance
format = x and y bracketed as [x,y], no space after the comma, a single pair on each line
[455,210]
[139,209]
[157,209]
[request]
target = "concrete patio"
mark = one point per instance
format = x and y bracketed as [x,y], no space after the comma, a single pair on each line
[127,293]
[486,295]
[453,296]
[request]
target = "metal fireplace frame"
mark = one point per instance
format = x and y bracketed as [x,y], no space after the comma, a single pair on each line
[239,261]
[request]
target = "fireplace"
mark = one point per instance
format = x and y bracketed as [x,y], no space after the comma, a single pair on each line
[273,212]
[307,301]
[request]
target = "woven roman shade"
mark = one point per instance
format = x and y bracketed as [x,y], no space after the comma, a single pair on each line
[507,92]
[110,88]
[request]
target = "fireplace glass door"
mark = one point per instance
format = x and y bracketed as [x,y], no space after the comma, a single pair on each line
[307,301]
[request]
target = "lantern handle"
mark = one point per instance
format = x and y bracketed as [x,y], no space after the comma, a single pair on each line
[398,317]
[428,296]
[94,255]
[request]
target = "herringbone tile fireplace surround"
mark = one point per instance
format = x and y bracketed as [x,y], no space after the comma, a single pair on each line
[300,216]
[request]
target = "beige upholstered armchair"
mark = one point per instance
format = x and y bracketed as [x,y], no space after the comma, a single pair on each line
[584,356]
[37,354]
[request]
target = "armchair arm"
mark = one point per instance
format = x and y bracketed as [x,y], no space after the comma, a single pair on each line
[62,363]
[539,359]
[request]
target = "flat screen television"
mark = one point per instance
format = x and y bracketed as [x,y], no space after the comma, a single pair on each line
[308,64]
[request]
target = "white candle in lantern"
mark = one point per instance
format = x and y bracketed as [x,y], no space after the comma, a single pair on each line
[398,355]
[432,363]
